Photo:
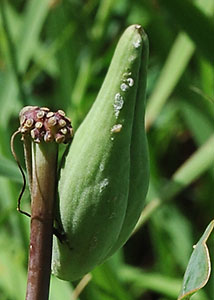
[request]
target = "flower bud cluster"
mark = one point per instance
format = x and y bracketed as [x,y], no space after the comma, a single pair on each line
[44,125]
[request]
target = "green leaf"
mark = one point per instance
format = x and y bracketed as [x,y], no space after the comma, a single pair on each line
[199,124]
[199,162]
[109,284]
[13,279]
[36,12]
[181,51]
[194,22]
[169,76]
[9,169]
[199,267]
[34,17]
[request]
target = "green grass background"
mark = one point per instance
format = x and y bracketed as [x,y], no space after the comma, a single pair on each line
[56,53]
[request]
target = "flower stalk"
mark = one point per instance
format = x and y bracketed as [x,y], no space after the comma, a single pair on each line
[43,191]
[42,131]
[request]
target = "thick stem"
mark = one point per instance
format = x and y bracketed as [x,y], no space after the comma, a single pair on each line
[43,191]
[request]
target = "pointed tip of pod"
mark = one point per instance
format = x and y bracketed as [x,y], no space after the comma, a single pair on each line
[137,28]
[141,37]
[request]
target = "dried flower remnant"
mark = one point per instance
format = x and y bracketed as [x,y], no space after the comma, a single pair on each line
[44,125]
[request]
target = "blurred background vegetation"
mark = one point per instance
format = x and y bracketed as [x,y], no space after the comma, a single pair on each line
[56,53]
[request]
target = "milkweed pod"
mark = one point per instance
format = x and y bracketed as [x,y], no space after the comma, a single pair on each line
[105,177]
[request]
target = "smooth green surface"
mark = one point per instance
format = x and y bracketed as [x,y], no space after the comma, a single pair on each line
[105,178]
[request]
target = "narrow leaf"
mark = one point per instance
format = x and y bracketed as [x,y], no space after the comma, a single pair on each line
[9,169]
[195,23]
[176,63]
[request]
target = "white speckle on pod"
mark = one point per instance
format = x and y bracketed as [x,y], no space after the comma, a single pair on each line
[124,87]
[118,104]
[132,58]
[101,167]
[137,44]
[130,81]
[103,184]
[116,128]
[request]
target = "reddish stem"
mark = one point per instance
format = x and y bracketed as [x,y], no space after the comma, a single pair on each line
[43,191]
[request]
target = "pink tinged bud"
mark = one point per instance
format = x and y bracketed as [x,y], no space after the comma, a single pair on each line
[45,109]
[59,138]
[40,114]
[38,125]
[62,123]
[50,114]
[61,113]
[48,137]
[52,121]
[29,123]
[64,131]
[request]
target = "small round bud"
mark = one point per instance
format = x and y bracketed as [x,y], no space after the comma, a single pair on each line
[60,138]
[52,121]
[38,125]
[45,109]
[61,112]
[50,114]
[29,123]
[48,137]
[62,123]
[40,114]
[64,130]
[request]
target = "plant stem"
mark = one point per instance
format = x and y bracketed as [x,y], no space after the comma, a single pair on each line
[43,191]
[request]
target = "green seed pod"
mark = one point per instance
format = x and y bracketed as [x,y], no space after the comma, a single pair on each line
[105,178]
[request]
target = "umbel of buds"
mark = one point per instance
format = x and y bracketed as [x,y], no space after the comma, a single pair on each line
[45,125]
